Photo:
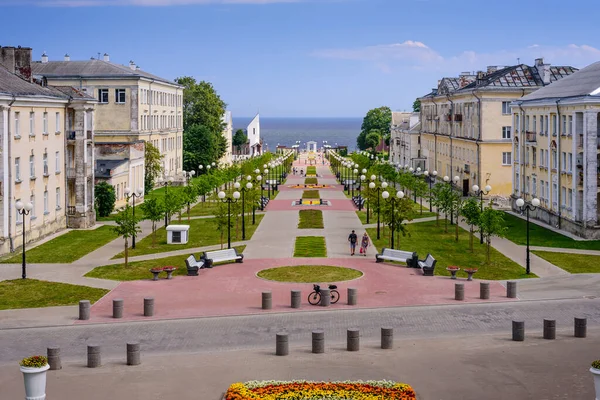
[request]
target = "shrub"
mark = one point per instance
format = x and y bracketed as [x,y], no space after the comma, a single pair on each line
[105,198]
[34,362]
[310,181]
[596,364]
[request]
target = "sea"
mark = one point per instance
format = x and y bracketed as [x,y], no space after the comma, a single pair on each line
[286,131]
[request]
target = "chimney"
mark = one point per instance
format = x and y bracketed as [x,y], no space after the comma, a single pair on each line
[539,62]
[7,58]
[132,65]
[137,68]
[44,58]
[465,73]
[480,76]
[106,57]
[17,61]
[546,74]
[67,57]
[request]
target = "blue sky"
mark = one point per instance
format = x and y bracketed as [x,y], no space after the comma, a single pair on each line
[320,58]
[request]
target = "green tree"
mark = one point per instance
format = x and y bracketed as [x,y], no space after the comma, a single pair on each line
[105,198]
[402,211]
[190,195]
[471,212]
[379,119]
[491,223]
[153,166]
[126,227]
[239,139]
[153,210]
[201,146]
[417,106]
[420,189]
[372,140]
[172,202]
[221,218]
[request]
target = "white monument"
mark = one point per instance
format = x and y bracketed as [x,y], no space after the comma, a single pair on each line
[311,147]
[253,132]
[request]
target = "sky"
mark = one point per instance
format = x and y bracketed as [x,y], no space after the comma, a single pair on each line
[309,58]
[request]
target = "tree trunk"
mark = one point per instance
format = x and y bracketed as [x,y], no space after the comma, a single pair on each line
[446,223]
[126,253]
[437,217]
[471,239]
[153,233]
[179,216]
[421,203]
[489,245]
[188,213]
[221,239]
[456,230]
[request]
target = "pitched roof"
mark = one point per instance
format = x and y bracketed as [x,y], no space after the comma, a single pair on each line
[585,82]
[91,68]
[448,85]
[519,76]
[104,167]
[11,84]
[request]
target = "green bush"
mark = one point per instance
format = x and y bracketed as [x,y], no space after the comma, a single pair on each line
[105,198]
[34,362]
[310,181]
[596,364]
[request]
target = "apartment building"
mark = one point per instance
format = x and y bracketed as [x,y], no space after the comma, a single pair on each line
[134,107]
[405,140]
[466,122]
[46,155]
[556,145]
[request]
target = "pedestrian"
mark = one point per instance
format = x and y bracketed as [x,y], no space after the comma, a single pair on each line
[364,244]
[352,238]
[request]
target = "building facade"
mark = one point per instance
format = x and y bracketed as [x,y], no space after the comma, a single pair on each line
[405,140]
[46,156]
[466,123]
[133,106]
[556,152]
[227,158]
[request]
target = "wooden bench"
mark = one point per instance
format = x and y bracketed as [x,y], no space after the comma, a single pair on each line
[194,265]
[410,258]
[427,265]
[218,256]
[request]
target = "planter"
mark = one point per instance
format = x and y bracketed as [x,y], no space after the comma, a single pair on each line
[155,273]
[470,272]
[35,382]
[169,271]
[596,373]
[453,271]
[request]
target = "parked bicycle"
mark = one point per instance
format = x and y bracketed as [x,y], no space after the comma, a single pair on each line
[315,297]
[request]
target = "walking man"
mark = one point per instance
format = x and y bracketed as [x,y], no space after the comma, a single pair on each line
[352,239]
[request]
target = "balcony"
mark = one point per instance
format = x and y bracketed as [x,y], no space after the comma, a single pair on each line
[448,117]
[458,118]
[71,173]
[71,135]
[71,210]
[530,137]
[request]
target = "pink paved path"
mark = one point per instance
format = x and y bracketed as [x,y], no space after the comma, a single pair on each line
[286,205]
[286,187]
[234,289]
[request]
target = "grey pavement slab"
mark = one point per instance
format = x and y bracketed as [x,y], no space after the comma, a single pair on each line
[467,367]
[569,286]
[274,237]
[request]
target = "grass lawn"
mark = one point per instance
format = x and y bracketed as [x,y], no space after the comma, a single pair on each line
[310,246]
[31,293]
[540,236]
[202,209]
[362,215]
[68,247]
[311,170]
[310,274]
[311,194]
[311,219]
[573,263]
[203,232]
[140,269]
[311,181]
[426,237]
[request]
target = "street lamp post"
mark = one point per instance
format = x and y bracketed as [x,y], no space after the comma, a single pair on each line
[447,180]
[528,206]
[430,178]
[244,190]
[383,185]
[266,172]
[354,172]
[363,178]
[23,210]
[166,183]
[256,181]
[477,192]
[128,195]
[392,200]
[223,197]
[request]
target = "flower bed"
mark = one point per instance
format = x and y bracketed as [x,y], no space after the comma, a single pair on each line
[307,390]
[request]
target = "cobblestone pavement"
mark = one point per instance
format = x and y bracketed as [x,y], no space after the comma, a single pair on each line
[258,331]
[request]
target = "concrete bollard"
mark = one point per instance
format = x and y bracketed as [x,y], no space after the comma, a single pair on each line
[133,353]
[54,358]
[484,290]
[84,309]
[549,329]
[148,306]
[352,296]
[267,300]
[459,291]
[118,308]
[318,341]
[325,298]
[282,347]
[518,331]
[93,356]
[387,338]
[580,327]
[511,289]
[353,339]
[296,296]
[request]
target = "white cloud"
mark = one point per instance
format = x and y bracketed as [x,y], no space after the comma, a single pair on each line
[422,57]
[142,3]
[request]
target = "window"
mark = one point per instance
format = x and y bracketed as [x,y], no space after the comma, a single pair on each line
[534,185]
[554,193]
[564,125]
[32,212]
[19,216]
[527,155]
[103,96]
[58,198]
[506,107]
[31,167]
[120,96]
[57,122]
[534,156]
[45,123]
[570,198]
[45,202]
[527,122]
[57,162]
[554,124]
[517,182]
[18,169]
[570,126]
[534,124]
[563,194]
[506,158]
[45,158]
[546,124]
[17,124]
[506,132]
[32,124]
[564,161]
[526,184]
[554,159]
[570,164]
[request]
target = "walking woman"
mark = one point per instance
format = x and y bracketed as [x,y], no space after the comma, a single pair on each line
[364,244]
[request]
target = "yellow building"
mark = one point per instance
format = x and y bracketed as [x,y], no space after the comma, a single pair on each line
[46,154]
[556,147]
[133,106]
[466,123]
